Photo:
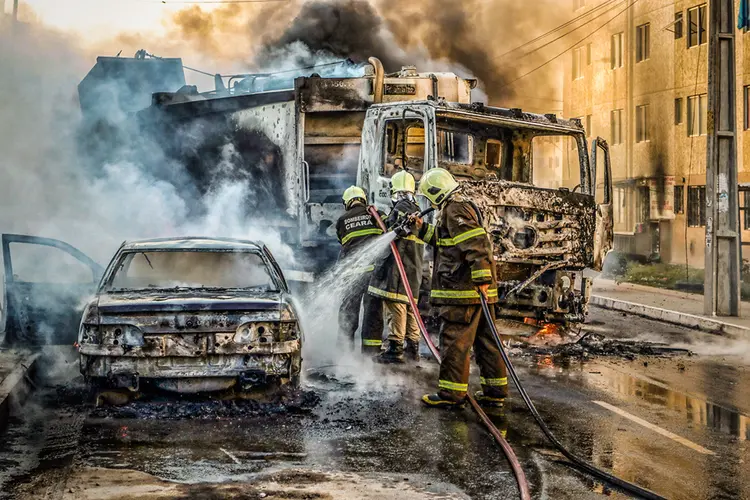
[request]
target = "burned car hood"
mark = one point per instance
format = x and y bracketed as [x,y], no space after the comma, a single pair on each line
[188,300]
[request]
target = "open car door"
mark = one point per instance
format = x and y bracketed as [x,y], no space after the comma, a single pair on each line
[47,283]
[602,182]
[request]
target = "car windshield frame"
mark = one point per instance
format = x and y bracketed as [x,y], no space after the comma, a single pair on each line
[120,258]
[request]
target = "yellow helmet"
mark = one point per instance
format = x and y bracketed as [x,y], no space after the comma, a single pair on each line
[402,181]
[353,193]
[436,184]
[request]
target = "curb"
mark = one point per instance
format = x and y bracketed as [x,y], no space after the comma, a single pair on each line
[702,323]
[15,387]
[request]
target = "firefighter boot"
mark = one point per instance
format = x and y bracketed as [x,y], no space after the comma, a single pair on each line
[412,350]
[443,399]
[394,353]
[489,401]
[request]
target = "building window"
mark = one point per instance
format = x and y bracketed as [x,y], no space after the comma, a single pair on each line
[619,206]
[679,199]
[616,50]
[589,132]
[644,204]
[578,62]
[642,42]
[696,210]
[697,111]
[677,25]
[641,123]
[746,93]
[745,208]
[697,26]
[678,111]
[616,125]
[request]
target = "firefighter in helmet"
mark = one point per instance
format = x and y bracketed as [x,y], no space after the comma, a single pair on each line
[463,268]
[386,283]
[353,229]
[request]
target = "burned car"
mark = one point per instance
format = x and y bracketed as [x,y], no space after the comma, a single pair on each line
[191,315]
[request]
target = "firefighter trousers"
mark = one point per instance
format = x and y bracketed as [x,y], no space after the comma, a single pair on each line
[464,327]
[401,322]
[372,316]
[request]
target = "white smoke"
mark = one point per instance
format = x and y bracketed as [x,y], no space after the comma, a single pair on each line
[49,190]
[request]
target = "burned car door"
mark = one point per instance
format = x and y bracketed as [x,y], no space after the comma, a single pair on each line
[601,176]
[47,283]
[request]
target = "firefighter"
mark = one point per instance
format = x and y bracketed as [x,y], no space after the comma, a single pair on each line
[463,268]
[386,281]
[354,229]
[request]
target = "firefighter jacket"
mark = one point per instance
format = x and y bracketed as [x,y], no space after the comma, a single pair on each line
[385,281]
[354,228]
[463,254]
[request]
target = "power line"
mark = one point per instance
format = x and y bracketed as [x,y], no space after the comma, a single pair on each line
[216,1]
[613,7]
[564,25]
[569,48]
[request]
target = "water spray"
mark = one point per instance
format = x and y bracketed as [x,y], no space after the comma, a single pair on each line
[523,484]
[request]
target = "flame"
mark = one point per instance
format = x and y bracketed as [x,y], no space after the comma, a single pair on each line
[549,329]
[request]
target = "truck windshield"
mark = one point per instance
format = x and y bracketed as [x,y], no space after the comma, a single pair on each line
[191,269]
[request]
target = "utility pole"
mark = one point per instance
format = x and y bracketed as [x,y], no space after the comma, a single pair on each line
[722,270]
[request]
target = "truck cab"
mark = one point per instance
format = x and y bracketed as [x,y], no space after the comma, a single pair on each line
[545,228]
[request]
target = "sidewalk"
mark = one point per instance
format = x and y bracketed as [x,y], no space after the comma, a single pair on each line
[670,306]
[16,369]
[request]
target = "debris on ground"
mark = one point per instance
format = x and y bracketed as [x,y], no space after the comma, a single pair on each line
[596,344]
[293,402]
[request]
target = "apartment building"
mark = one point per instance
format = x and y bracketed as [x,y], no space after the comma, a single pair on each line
[640,82]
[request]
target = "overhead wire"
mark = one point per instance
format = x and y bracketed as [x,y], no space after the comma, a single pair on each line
[612,7]
[562,26]
[571,47]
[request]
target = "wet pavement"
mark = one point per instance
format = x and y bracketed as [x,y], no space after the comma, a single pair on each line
[674,423]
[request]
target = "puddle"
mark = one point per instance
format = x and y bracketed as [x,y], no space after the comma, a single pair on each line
[696,411]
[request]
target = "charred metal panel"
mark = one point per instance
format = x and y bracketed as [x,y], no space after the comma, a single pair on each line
[283,365]
[190,346]
[278,122]
[534,225]
[334,94]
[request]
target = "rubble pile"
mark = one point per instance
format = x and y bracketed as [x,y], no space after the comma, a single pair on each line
[595,344]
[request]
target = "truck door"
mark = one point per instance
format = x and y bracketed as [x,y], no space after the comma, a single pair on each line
[394,139]
[602,177]
[47,283]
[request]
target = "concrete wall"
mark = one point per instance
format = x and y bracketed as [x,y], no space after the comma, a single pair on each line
[672,71]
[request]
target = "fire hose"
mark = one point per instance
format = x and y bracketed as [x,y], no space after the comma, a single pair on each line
[581,464]
[523,484]
[507,450]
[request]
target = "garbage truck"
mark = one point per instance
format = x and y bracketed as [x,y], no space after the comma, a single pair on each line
[301,141]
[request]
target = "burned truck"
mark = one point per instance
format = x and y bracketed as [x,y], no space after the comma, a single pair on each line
[304,140]
[543,237]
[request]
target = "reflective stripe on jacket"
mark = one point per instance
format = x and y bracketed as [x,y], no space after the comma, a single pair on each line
[386,280]
[354,228]
[463,256]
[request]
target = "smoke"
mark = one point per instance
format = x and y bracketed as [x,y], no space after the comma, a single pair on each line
[52,187]
[471,38]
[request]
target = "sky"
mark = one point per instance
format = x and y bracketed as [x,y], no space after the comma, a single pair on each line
[96,19]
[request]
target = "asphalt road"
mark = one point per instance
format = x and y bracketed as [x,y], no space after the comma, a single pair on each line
[674,424]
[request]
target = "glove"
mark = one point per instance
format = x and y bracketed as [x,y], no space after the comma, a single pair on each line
[414,222]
